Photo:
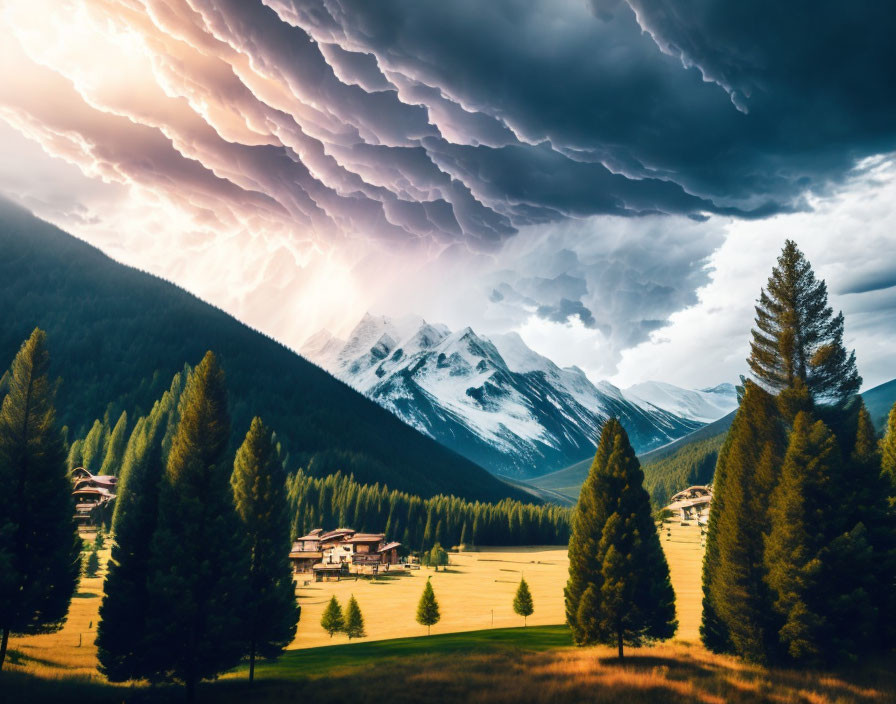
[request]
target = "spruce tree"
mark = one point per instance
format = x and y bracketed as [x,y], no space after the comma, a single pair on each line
[92,449]
[74,455]
[40,552]
[619,591]
[116,446]
[797,543]
[99,540]
[522,602]
[428,608]
[797,335]
[737,614]
[259,489]
[353,620]
[888,457]
[332,621]
[123,647]
[92,563]
[199,559]
[869,516]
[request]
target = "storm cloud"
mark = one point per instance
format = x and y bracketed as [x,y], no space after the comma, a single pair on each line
[578,158]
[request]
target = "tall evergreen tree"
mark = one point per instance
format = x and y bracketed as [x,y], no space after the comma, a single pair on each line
[869,516]
[199,561]
[797,335]
[522,601]
[331,620]
[797,544]
[40,552]
[74,455]
[619,591]
[353,620]
[428,608]
[123,648]
[888,457]
[737,613]
[116,446]
[92,563]
[93,447]
[259,490]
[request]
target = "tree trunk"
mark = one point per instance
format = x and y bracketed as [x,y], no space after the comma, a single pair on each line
[252,662]
[3,643]
[619,643]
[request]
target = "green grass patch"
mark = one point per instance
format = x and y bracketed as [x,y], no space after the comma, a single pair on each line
[339,659]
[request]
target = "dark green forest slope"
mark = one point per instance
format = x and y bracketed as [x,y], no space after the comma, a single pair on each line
[118,334]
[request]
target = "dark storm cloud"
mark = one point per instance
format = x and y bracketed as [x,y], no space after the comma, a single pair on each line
[793,94]
[567,309]
[467,121]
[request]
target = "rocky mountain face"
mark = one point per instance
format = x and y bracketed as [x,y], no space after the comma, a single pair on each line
[494,400]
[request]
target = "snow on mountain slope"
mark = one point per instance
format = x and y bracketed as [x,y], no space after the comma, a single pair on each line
[705,405]
[492,399]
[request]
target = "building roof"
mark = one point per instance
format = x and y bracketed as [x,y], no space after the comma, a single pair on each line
[337,534]
[305,555]
[365,538]
[389,546]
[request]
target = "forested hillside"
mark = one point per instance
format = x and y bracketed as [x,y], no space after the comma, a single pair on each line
[119,335]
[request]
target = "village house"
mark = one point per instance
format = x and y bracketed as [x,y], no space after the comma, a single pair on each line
[338,552]
[692,504]
[94,497]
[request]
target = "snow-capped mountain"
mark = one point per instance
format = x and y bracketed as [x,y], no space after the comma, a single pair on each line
[705,405]
[491,399]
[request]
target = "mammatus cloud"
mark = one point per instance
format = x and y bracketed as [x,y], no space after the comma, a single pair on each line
[560,158]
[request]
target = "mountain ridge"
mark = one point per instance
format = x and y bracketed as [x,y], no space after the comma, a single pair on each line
[490,397]
[117,335]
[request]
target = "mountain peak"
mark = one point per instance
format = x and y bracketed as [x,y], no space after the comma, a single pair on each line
[491,397]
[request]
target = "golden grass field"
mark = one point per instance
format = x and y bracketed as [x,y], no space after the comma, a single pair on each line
[475,592]
[465,661]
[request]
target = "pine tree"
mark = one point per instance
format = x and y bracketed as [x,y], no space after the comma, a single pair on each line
[796,545]
[332,621]
[123,648]
[437,557]
[99,540]
[428,608]
[92,448]
[75,459]
[737,615]
[354,621]
[619,591]
[40,552]
[199,559]
[116,446]
[92,563]
[866,521]
[522,602]
[888,457]
[798,337]
[259,489]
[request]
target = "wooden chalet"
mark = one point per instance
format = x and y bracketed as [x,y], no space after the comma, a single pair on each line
[306,552]
[94,496]
[692,504]
[334,553]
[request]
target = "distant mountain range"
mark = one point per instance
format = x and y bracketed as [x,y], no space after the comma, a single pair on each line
[499,403]
[117,335]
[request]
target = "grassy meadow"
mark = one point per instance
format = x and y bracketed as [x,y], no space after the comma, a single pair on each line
[466,659]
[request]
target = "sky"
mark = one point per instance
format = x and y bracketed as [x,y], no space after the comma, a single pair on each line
[611,179]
